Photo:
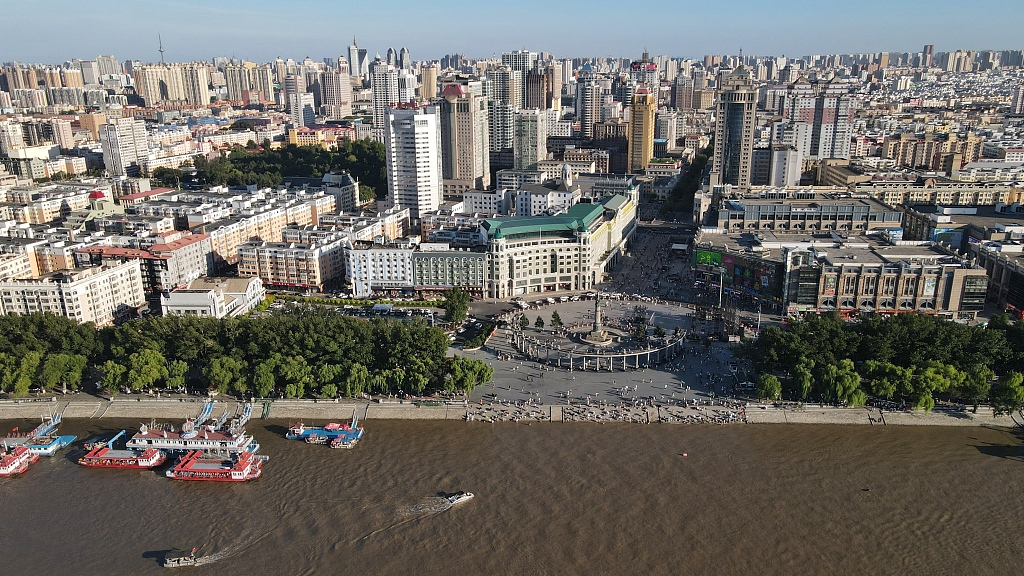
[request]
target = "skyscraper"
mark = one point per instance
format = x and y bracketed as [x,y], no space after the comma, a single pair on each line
[530,143]
[125,148]
[237,80]
[384,86]
[734,129]
[357,60]
[336,91]
[641,129]
[302,108]
[1018,101]
[428,87]
[465,154]
[413,158]
[926,56]
[828,107]
[108,65]
[197,83]
[404,59]
[588,100]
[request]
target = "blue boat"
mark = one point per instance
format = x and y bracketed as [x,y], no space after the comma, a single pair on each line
[41,440]
[333,433]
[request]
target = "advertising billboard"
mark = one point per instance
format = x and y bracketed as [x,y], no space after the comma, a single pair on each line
[709,258]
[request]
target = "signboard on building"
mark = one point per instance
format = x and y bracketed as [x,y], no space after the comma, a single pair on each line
[709,258]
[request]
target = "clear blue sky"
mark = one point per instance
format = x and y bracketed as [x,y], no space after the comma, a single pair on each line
[48,31]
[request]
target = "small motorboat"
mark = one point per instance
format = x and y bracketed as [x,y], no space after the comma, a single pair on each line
[459,497]
[180,560]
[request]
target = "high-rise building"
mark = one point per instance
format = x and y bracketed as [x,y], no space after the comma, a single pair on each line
[500,122]
[926,55]
[828,108]
[336,91]
[384,86]
[407,86]
[237,80]
[682,93]
[160,83]
[108,65]
[465,154]
[262,80]
[358,63]
[125,148]
[196,78]
[507,85]
[734,129]
[413,157]
[404,59]
[641,129]
[428,87]
[392,57]
[538,89]
[1018,101]
[588,100]
[553,71]
[530,142]
[524,62]
[302,108]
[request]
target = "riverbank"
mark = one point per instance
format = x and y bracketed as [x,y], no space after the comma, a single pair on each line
[721,412]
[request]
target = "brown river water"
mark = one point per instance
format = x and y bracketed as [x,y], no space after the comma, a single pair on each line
[550,499]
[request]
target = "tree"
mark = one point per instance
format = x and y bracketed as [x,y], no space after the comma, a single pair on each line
[886,379]
[769,387]
[329,391]
[53,369]
[1008,394]
[539,323]
[841,383]
[640,331]
[27,373]
[176,370]
[75,369]
[803,378]
[263,379]
[556,320]
[113,376]
[295,373]
[523,321]
[357,380]
[456,305]
[976,385]
[226,373]
[659,332]
[241,126]
[147,368]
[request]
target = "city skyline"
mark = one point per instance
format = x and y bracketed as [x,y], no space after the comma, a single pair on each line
[261,30]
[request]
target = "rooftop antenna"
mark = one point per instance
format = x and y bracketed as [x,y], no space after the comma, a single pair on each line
[161,40]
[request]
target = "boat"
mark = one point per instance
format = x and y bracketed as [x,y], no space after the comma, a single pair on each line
[41,440]
[198,465]
[459,497]
[220,435]
[105,456]
[16,460]
[189,559]
[339,435]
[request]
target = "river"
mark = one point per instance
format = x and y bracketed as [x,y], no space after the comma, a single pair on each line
[550,499]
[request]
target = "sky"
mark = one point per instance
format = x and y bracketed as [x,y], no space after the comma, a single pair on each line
[47,31]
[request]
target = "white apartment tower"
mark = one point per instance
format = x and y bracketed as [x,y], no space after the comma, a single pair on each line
[197,84]
[336,88]
[530,144]
[588,100]
[124,146]
[302,109]
[384,86]
[412,149]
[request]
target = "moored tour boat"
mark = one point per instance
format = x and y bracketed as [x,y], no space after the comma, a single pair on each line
[16,460]
[195,434]
[103,455]
[198,465]
[338,435]
[41,441]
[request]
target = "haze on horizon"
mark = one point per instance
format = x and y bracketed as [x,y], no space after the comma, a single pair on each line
[261,30]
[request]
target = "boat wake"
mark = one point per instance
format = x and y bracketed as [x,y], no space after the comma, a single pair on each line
[246,540]
[427,506]
[422,509]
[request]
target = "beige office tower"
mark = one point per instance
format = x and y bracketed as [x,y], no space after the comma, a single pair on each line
[641,129]
[428,84]
[336,92]
[734,129]
[72,78]
[159,83]
[465,157]
[197,83]
[238,80]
